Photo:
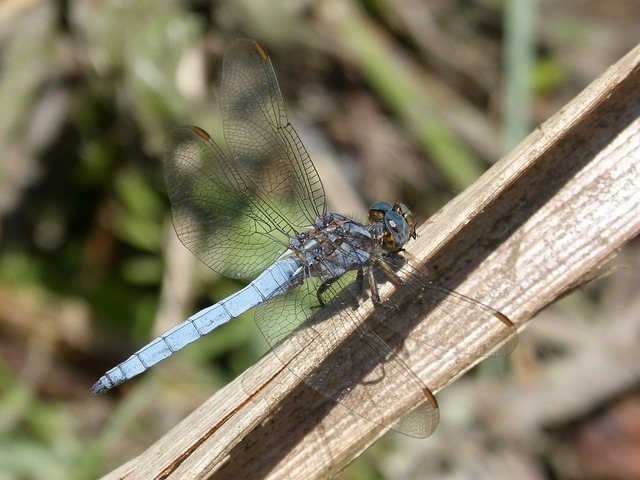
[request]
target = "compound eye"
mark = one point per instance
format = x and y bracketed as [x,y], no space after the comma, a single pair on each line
[398,231]
[408,217]
[403,210]
[382,206]
[377,210]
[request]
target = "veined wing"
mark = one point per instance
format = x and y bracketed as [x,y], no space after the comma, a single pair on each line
[367,366]
[261,139]
[423,303]
[354,366]
[237,214]
[216,212]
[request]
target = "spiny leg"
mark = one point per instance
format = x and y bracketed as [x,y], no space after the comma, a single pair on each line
[323,288]
[391,275]
[359,283]
[373,285]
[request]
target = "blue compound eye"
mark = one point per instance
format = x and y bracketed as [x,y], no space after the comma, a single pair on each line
[398,231]
[378,209]
[382,206]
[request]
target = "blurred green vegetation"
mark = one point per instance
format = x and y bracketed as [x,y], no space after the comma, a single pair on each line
[409,95]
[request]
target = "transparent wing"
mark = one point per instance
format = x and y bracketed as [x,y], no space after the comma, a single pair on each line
[237,214]
[362,372]
[261,139]
[216,213]
[423,304]
[366,372]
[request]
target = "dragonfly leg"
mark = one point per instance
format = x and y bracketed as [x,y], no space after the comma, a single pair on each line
[375,294]
[359,283]
[391,275]
[373,285]
[323,288]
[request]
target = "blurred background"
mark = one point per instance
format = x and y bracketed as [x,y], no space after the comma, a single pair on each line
[395,100]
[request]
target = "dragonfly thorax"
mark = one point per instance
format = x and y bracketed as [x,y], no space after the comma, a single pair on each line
[334,246]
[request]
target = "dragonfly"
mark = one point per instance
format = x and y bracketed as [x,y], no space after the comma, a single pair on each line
[260,209]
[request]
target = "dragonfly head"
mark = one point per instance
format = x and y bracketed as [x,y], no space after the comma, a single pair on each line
[398,223]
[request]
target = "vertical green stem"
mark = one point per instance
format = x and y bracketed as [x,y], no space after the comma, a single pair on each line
[519,55]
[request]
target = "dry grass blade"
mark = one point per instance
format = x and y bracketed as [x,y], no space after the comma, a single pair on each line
[550,212]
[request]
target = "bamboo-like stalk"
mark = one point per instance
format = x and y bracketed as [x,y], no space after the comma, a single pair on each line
[539,222]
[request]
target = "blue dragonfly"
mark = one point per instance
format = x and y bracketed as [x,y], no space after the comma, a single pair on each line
[261,211]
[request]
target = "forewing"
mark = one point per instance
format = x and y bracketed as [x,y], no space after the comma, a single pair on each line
[424,303]
[261,139]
